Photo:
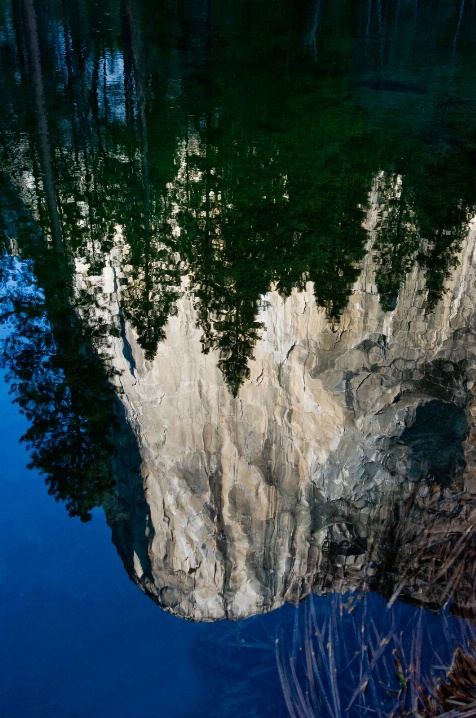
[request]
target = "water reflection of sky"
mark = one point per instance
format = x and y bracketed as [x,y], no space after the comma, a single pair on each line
[77,640]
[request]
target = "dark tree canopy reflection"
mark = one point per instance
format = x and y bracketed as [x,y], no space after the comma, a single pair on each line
[235,178]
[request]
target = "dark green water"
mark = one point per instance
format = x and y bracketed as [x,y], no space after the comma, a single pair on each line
[221,150]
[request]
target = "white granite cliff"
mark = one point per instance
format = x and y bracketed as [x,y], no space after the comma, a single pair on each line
[247,497]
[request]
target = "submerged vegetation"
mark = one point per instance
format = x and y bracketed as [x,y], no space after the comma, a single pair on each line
[359,661]
[354,659]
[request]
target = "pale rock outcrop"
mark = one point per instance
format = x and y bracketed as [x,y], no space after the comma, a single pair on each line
[244,503]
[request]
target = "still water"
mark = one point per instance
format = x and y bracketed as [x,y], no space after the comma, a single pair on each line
[237,301]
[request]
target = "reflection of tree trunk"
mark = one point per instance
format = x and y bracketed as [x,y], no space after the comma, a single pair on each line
[141,102]
[128,84]
[367,25]
[460,17]
[208,22]
[207,272]
[312,36]
[393,19]
[19,36]
[44,147]
[75,86]
[94,99]
[81,130]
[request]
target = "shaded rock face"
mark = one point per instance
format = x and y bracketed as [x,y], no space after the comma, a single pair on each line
[345,462]
[436,442]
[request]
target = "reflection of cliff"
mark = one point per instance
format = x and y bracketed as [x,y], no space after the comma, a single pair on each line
[284,490]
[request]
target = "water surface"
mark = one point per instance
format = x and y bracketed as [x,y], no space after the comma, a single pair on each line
[239,320]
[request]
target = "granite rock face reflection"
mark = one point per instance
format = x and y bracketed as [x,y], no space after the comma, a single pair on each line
[335,468]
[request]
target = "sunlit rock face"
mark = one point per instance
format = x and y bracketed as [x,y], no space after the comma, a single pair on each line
[325,472]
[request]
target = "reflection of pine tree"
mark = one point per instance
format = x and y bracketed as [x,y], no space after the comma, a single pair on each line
[150,285]
[445,199]
[335,242]
[152,274]
[424,217]
[236,335]
[397,238]
[58,379]
[71,414]
[219,253]
[250,217]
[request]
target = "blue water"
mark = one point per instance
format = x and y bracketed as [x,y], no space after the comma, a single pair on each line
[78,639]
